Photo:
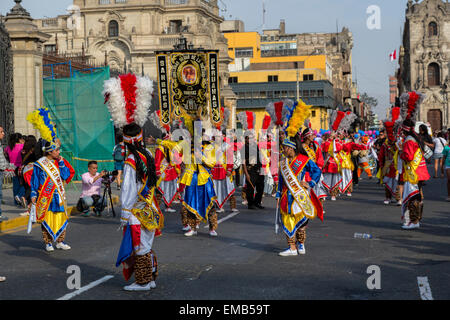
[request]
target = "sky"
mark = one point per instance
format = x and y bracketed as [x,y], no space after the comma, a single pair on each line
[371,48]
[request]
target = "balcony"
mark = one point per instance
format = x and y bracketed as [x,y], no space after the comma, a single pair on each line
[50,23]
[346,69]
[176,2]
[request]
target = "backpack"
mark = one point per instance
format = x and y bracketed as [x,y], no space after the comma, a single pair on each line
[117,153]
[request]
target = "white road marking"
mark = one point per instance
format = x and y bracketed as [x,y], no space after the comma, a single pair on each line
[85,288]
[424,288]
[225,218]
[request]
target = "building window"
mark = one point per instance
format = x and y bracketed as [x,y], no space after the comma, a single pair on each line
[50,48]
[104,1]
[269,94]
[305,93]
[113,29]
[308,77]
[277,94]
[262,95]
[432,29]
[434,77]
[273,78]
[313,113]
[244,53]
[175,26]
[233,80]
[284,94]
[121,1]
[313,93]
[320,93]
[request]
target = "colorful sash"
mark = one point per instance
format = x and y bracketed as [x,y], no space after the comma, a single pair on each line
[149,215]
[334,155]
[410,168]
[52,182]
[310,152]
[299,194]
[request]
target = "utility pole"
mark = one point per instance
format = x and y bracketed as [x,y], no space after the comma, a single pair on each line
[298,84]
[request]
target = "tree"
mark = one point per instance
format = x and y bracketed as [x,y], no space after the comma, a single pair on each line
[369,101]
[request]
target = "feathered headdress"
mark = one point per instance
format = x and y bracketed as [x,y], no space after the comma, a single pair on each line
[225,116]
[42,121]
[267,123]
[347,121]
[295,120]
[247,119]
[275,110]
[393,123]
[129,98]
[410,103]
[335,119]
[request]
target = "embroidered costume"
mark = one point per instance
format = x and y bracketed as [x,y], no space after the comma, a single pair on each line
[129,97]
[297,203]
[47,177]
[414,170]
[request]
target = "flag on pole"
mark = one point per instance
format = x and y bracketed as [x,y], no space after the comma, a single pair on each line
[393,55]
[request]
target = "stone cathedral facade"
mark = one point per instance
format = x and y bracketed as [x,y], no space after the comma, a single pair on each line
[425,59]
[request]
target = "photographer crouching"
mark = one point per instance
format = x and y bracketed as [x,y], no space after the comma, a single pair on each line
[91,187]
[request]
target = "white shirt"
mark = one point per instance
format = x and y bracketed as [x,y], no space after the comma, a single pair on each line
[439,144]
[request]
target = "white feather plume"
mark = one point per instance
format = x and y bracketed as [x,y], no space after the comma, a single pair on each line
[116,102]
[144,90]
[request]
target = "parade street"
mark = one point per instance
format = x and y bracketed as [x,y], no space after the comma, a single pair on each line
[243,262]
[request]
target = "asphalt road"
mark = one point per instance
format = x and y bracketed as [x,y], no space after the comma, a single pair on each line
[242,262]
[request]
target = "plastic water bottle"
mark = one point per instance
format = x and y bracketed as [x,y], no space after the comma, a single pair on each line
[362,236]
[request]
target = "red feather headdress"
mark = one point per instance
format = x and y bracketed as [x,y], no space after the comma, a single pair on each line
[128,98]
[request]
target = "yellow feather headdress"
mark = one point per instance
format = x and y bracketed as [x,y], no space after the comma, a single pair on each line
[41,120]
[301,111]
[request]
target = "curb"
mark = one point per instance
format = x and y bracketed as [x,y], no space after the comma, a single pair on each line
[21,222]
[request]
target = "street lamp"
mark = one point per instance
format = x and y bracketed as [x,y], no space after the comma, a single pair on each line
[444,92]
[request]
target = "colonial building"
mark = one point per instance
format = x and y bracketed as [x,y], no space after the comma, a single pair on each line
[425,58]
[275,65]
[126,33]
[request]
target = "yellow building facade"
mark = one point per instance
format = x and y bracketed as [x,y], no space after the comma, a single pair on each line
[265,71]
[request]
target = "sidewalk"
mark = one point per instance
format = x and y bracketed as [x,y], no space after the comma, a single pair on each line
[11,213]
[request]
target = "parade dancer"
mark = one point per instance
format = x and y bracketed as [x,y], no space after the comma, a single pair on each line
[345,154]
[415,170]
[332,168]
[296,199]
[314,152]
[363,159]
[222,172]
[388,160]
[199,200]
[167,172]
[222,175]
[47,184]
[129,98]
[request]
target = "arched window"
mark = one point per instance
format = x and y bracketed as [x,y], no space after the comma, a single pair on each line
[113,29]
[434,76]
[432,29]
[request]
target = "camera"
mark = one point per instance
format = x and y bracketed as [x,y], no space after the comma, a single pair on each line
[109,176]
[111,173]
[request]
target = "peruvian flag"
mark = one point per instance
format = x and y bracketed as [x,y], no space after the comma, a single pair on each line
[393,55]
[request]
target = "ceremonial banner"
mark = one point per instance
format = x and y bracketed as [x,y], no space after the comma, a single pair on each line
[214,88]
[188,82]
[163,86]
[189,85]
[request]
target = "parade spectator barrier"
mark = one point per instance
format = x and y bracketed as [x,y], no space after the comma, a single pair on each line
[82,119]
